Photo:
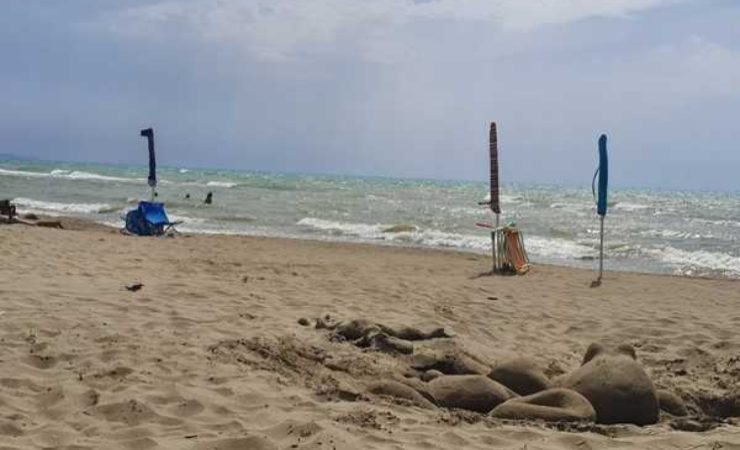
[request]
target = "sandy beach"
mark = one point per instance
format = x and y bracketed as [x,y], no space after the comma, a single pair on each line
[209,354]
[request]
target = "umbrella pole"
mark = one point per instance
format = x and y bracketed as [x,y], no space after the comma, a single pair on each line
[601,250]
[494,245]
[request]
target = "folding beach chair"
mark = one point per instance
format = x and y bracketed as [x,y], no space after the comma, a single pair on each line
[149,219]
[516,255]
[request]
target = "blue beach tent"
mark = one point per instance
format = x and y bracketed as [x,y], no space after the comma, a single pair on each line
[148,219]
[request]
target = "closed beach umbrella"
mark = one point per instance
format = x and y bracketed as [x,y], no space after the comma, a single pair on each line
[149,134]
[601,200]
[493,145]
[603,176]
[494,200]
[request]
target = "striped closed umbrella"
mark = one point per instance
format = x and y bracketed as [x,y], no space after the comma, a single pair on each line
[493,145]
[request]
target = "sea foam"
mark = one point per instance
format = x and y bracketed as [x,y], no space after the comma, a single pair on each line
[55,207]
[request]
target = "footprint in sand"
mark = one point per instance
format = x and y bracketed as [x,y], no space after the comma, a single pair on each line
[41,362]
[132,413]
[186,408]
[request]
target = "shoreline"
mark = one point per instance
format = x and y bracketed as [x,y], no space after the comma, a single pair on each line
[646,232]
[84,224]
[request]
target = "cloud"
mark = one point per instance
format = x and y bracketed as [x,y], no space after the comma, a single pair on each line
[695,67]
[526,15]
[279,29]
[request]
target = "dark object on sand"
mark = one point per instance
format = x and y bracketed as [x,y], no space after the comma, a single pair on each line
[134,287]
[49,224]
[209,198]
[187,196]
[7,209]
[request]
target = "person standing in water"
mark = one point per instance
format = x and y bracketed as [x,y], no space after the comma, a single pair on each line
[209,198]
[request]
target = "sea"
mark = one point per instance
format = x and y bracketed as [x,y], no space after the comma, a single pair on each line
[655,231]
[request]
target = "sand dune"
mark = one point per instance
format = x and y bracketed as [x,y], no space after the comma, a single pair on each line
[209,353]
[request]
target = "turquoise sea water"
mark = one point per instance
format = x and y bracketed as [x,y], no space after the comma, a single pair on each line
[686,233]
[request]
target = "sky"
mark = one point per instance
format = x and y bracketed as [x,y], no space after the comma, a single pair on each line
[402,88]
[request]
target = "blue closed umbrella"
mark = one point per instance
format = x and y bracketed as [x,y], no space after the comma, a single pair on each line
[601,199]
[603,173]
[149,134]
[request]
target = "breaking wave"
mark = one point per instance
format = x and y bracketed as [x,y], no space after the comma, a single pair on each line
[68,174]
[54,207]
[224,184]
[698,262]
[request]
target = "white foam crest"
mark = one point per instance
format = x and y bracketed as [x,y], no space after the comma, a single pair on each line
[509,198]
[689,262]
[557,248]
[42,206]
[673,234]
[465,210]
[79,175]
[224,184]
[576,207]
[503,198]
[536,245]
[68,174]
[720,222]
[351,229]
[186,219]
[432,238]
[21,173]
[451,240]
[626,206]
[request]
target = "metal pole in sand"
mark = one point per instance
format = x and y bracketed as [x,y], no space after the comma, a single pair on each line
[496,244]
[601,251]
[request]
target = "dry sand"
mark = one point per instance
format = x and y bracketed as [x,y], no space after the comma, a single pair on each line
[209,354]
